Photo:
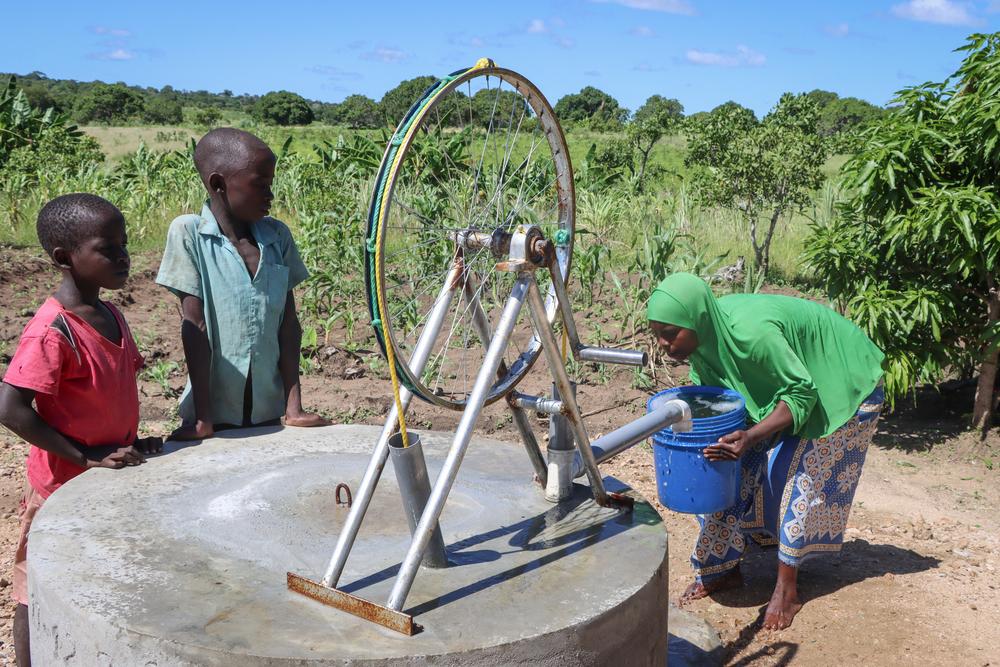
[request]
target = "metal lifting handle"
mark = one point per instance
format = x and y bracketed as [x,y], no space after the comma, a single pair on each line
[604,355]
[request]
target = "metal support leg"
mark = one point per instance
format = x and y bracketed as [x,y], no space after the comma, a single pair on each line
[463,435]
[345,541]
[537,309]
[481,323]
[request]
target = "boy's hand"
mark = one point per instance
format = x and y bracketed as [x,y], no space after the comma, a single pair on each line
[199,430]
[125,456]
[305,419]
[150,445]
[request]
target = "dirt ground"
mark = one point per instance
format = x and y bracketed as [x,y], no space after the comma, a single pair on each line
[916,583]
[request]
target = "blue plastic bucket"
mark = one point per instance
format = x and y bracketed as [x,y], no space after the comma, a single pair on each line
[685,480]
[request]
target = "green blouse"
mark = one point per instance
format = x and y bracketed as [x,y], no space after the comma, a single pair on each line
[774,348]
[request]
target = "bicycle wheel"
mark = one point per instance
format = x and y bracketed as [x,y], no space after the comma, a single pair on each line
[482,154]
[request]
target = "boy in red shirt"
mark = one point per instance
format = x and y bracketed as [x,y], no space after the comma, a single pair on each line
[77,361]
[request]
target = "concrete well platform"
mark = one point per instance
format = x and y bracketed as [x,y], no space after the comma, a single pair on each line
[182,561]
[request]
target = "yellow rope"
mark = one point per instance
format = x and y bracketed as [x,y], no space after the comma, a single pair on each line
[390,355]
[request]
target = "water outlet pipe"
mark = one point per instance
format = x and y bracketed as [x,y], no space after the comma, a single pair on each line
[676,414]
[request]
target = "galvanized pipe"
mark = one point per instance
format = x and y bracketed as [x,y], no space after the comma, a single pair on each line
[672,413]
[422,350]
[609,355]
[561,452]
[414,488]
[537,309]
[481,323]
[565,307]
[547,406]
[463,435]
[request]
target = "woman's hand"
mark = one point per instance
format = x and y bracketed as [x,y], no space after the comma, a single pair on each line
[730,447]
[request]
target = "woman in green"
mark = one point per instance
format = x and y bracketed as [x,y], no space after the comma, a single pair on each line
[812,384]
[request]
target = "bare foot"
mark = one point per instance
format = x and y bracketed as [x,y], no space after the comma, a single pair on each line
[782,608]
[196,431]
[697,591]
[306,420]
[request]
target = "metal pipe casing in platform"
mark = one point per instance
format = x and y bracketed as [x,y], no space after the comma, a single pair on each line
[561,453]
[610,355]
[672,413]
[414,489]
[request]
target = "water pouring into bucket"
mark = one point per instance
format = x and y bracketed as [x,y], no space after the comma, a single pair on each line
[686,480]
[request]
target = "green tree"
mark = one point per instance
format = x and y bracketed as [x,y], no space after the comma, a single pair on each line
[283,108]
[657,117]
[591,105]
[914,253]
[358,111]
[841,114]
[396,102]
[206,116]
[163,110]
[104,103]
[497,107]
[761,169]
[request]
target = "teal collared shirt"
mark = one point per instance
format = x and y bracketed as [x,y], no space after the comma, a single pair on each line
[242,314]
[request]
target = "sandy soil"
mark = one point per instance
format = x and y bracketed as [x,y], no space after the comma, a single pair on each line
[916,582]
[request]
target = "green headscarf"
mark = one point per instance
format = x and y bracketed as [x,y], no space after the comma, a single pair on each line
[773,348]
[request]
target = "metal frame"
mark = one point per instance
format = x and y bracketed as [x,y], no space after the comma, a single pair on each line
[528,252]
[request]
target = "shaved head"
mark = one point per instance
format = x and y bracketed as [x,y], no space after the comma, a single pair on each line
[226,150]
[67,220]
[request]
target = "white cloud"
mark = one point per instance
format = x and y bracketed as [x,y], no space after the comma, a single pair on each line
[114,54]
[537,26]
[742,57]
[945,12]
[641,31]
[837,30]
[385,55]
[564,42]
[667,6]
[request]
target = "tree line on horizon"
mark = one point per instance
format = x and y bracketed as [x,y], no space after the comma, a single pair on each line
[97,102]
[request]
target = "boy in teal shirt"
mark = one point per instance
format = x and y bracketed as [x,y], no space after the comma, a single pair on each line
[234,268]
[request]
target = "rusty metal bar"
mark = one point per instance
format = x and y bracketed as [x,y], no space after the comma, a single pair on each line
[366,609]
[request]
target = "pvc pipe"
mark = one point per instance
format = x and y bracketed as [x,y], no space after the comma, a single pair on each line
[675,412]
[414,488]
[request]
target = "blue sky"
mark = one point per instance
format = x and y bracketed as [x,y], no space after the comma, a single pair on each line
[700,51]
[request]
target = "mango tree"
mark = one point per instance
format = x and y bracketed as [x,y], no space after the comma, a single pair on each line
[914,251]
[657,117]
[761,169]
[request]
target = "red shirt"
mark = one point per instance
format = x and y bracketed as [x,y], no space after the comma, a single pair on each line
[85,386]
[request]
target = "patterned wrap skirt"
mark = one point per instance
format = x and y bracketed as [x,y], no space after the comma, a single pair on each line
[795,494]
